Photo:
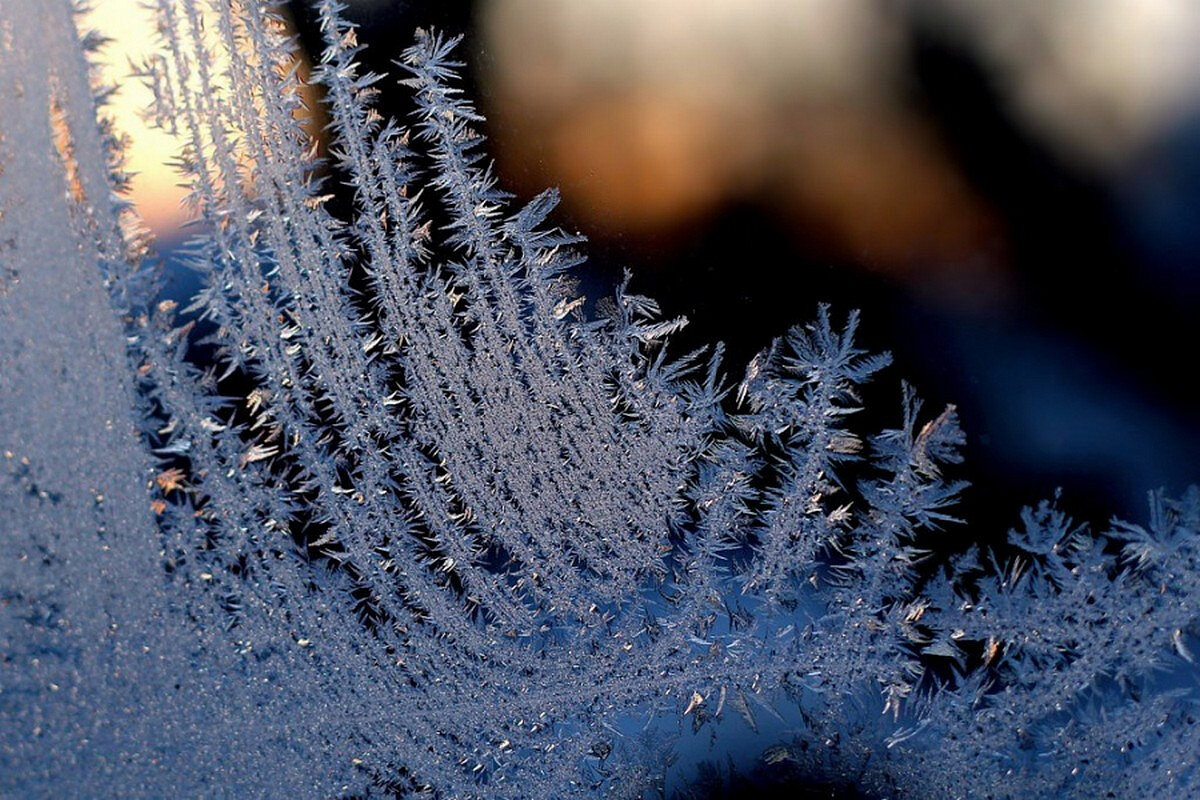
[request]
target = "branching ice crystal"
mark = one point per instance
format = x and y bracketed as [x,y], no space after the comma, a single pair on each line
[389,509]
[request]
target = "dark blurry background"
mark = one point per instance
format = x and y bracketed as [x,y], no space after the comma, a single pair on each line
[1007,189]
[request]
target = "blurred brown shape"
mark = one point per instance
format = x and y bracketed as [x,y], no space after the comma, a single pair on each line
[878,189]
[652,117]
[638,163]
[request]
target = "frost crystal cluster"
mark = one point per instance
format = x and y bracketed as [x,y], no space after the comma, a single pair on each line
[390,510]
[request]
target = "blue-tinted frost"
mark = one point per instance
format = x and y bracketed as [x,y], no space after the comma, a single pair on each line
[384,511]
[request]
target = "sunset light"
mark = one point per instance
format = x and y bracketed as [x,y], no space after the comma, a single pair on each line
[155,189]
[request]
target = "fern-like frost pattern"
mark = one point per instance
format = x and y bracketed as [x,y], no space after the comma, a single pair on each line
[390,509]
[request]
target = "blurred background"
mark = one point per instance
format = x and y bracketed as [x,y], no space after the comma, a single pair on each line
[1009,190]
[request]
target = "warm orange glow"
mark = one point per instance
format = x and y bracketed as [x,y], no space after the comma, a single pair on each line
[155,191]
[64,145]
[653,116]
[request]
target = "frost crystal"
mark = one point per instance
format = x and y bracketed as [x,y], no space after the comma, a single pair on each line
[387,509]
